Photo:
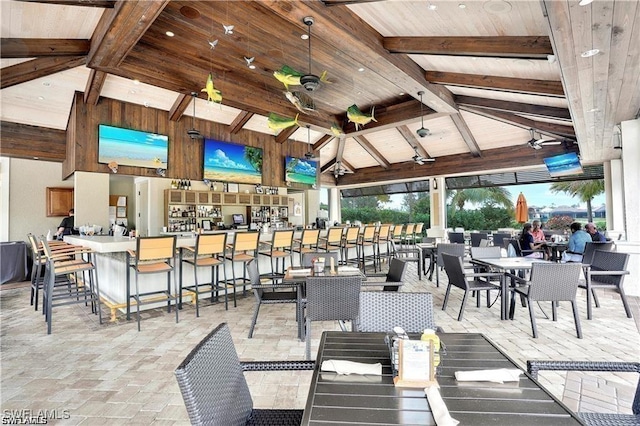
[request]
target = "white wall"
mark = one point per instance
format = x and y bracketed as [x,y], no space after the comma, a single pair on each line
[26,210]
[631,178]
[4,198]
[91,199]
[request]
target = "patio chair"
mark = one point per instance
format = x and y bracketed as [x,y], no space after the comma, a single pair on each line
[607,270]
[381,311]
[409,253]
[456,237]
[331,298]
[394,276]
[469,282]
[476,237]
[591,247]
[549,282]
[455,249]
[499,237]
[215,391]
[593,419]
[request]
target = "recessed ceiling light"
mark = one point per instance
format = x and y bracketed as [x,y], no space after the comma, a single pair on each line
[590,53]
[252,67]
[462,6]
[594,110]
[46,83]
[401,94]
[432,7]
[170,33]
[361,69]
[304,36]
[41,98]
[133,92]
[136,81]
[147,104]
[36,158]
[584,2]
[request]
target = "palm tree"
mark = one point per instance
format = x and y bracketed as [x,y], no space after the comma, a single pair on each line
[254,157]
[497,194]
[585,190]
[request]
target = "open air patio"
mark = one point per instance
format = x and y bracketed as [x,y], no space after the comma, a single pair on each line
[112,374]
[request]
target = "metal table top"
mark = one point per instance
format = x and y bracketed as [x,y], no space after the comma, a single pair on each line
[371,400]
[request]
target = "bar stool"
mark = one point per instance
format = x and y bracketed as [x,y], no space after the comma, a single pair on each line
[153,255]
[382,237]
[243,250]
[350,241]
[307,243]
[332,241]
[366,239]
[208,252]
[280,247]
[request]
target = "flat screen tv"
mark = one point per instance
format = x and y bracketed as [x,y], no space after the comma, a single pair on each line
[563,165]
[228,162]
[132,147]
[238,219]
[300,170]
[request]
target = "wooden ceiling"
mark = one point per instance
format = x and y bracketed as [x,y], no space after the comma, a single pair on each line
[491,73]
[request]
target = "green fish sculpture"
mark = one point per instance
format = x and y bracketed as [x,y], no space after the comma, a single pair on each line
[290,77]
[213,94]
[336,129]
[358,117]
[276,122]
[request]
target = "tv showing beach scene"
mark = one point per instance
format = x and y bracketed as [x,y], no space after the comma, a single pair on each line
[300,170]
[228,162]
[563,165]
[132,147]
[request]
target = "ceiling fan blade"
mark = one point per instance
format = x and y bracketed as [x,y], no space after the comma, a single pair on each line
[550,142]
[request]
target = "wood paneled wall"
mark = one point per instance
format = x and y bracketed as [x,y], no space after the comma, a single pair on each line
[185,154]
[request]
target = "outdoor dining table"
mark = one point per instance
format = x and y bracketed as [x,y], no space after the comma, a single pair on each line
[556,249]
[505,265]
[297,277]
[428,249]
[368,399]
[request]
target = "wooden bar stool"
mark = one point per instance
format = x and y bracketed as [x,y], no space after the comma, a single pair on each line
[280,247]
[350,241]
[243,250]
[308,242]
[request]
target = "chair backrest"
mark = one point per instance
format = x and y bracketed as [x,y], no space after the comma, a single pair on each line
[609,261]
[282,239]
[381,311]
[591,247]
[476,237]
[334,235]
[554,281]
[383,232]
[491,252]
[307,258]
[212,383]
[455,249]
[211,244]
[246,241]
[455,270]
[456,237]
[333,298]
[515,243]
[310,237]
[369,233]
[155,248]
[499,237]
[397,268]
[409,229]
[419,227]
[351,236]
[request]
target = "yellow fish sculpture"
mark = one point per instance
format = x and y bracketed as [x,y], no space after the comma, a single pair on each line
[213,94]
[358,117]
[275,122]
[336,129]
[290,77]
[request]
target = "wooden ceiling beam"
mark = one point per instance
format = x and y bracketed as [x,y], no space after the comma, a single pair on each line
[238,123]
[179,106]
[285,134]
[551,129]
[322,142]
[107,4]
[94,85]
[346,2]
[38,47]
[36,68]
[372,151]
[517,107]
[334,25]
[119,30]
[328,166]
[33,142]
[523,47]
[507,84]
[517,156]
[411,139]
[466,134]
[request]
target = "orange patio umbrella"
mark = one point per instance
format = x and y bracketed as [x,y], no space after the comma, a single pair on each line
[522,210]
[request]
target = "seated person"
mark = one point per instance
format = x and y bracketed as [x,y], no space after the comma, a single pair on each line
[596,236]
[527,242]
[577,242]
[66,226]
[537,232]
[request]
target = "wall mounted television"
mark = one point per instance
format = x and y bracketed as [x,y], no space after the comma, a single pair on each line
[300,170]
[228,162]
[132,147]
[563,165]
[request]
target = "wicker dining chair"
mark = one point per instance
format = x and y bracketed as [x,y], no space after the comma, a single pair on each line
[549,282]
[393,278]
[332,298]
[215,391]
[476,237]
[381,311]
[455,249]
[596,419]
[607,270]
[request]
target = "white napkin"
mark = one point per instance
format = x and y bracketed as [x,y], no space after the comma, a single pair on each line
[300,272]
[438,408]
[348,269]
[350,367]
[500,375]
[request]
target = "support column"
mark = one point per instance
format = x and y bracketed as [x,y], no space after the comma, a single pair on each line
[335,211]
[614,198]
[438,211]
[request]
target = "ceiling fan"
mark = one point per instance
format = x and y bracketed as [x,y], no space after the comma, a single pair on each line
[419,159]
[540,142]
[310,154]
[193,132]
[309,81]
[422,131]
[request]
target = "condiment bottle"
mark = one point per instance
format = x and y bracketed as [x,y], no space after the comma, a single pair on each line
[429,335]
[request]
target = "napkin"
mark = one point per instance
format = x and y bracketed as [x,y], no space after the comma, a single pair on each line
[438,408]
[500,375]
[300,272]
[350,367]
[348,269]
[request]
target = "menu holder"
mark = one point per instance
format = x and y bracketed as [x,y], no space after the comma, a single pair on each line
[415,364]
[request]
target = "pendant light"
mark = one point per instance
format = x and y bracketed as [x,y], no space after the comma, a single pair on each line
[422,131]
[193,132]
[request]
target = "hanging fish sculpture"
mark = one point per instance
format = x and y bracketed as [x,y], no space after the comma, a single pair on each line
[336,129]
[290,77]
[302,101]
[358,117]
[276,122]
[213,94]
